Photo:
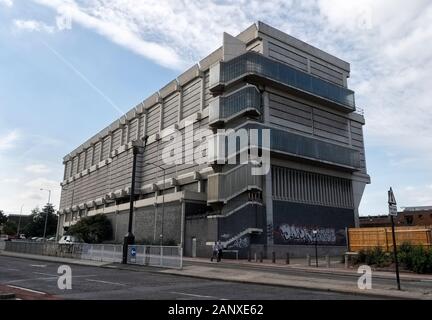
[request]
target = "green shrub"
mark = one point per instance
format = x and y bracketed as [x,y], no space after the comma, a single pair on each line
[415,258]
[378,257]
[405,254]
[92,229]
[374,257]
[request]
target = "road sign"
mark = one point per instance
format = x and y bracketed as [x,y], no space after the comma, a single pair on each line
[393,210]
[133,252]
[392,203]
[391,197]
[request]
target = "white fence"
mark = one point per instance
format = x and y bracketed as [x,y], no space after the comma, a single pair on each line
[156,256]
[2,244]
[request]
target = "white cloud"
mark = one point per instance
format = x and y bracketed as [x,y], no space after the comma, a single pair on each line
[43,183]
[8,140]
[7,3]
[37,168]
[33,25]
[9,180]
[117,29]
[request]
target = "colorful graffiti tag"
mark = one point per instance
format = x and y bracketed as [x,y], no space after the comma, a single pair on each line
[301,234]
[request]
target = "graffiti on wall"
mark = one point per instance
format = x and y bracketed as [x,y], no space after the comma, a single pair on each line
[239,243]
[302,234]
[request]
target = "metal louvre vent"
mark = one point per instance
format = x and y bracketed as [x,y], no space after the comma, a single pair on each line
[311,188]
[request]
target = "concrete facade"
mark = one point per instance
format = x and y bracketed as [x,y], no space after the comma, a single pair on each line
[260,79]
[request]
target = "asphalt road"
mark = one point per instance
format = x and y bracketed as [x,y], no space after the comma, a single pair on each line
[383,282]
[106,283]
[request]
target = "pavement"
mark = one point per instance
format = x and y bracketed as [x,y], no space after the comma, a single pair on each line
[296,276]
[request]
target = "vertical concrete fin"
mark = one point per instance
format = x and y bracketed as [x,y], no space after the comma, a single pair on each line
[232,47]
[358,189]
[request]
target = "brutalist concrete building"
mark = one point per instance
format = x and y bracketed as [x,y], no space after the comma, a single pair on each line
[260,79]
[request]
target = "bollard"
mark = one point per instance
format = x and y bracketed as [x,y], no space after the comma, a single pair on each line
[249,256]
[261,256]
[287,258]
[327,261]
[346,261]
[308,260]
[274,257]
[256,258]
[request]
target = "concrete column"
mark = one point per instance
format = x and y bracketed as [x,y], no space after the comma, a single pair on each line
[85,159]
[266,107]
[357,189]
[111,145]
[180,108]
[92,155]
[122,127]
[182,227]
[161,113]
[101,140]
[128,124]
[202,100]
[268,200]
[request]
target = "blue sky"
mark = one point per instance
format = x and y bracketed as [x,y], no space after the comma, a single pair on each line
[60,83]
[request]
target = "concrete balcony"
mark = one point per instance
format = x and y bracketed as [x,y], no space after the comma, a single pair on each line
[227,185]
[258,69]
[243,102]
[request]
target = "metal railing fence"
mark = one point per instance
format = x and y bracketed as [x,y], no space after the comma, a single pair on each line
[157,256]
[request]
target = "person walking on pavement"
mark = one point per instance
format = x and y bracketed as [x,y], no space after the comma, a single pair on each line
[215,251]
[219,251]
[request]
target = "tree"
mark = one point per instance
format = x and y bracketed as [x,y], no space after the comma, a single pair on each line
[10,228]
[6,226]
[3,218]
[35,228]
[93,229]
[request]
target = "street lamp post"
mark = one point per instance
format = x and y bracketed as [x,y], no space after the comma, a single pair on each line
[129,237]
[46,215]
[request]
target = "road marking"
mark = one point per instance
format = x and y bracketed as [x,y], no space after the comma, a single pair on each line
[20,280]
[26,289]
[46,274]
[106,282]
[197,295]
[52,277]
[426,280]
[38,265]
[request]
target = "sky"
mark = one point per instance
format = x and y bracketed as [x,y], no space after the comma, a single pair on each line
[69,68]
